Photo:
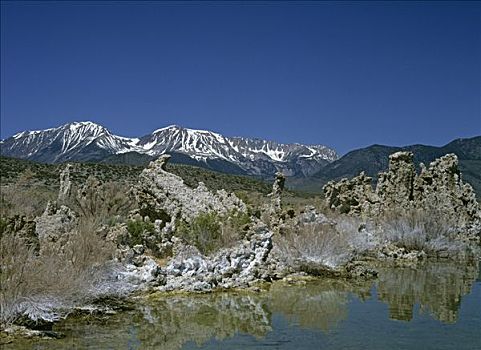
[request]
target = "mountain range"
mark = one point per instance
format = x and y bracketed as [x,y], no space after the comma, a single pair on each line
[308,167]
[87,141]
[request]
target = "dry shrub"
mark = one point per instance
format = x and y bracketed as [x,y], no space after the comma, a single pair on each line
[427,230]
[15,268]
[26,197]
[61,276]
[233,228]
[100,202]
[421,229]
[358,232]
[314,243]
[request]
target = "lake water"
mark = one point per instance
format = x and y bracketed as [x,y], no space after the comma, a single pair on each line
[437,306]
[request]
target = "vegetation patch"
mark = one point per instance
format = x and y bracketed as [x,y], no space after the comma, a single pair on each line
[210,231]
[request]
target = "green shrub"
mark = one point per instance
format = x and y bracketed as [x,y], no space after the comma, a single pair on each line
[203,232]
[210,232]
[237,220]
[137,230]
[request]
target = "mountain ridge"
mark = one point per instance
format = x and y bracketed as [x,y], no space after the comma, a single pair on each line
[375,158]
[88,141]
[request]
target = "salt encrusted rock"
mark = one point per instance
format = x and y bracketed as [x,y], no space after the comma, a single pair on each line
[438,188]
[239,266]
[165,195]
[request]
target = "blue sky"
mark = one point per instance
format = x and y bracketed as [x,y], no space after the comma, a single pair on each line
[344,74]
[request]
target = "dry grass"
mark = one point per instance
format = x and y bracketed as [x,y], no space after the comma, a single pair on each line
[416,229]
[60,277]
[314,243]
[100,202]
[26,197]
[69,272]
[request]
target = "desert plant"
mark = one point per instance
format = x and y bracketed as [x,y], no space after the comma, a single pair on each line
[316,243]
[100,201]
[203,232]
[210,231]
[415,229]
[233,227]
[137,230]
[60,276]
[26,196]
[16,260]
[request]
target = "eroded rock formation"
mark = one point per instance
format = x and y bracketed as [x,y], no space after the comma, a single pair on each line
[163,195]
[275,195]
[164,198]
[238,266]
[65,189]
[438,188]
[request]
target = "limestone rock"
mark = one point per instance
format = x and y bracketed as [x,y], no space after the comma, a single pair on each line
[395,187]
[393,252]
[438,188]
[238,266]
[163,195]
[65,189]
[350,196]
[275,195]
[278,185]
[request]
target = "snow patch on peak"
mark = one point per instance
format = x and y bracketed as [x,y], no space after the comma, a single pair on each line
[85,125]
[170,127]
[20,135]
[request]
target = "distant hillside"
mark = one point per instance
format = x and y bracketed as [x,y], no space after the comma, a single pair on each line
[374,159]
[48,174]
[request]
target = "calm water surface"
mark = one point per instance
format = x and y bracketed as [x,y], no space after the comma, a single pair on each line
[437,306]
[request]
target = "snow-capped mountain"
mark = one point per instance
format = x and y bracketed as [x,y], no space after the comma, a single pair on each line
[87,141]
[74,141]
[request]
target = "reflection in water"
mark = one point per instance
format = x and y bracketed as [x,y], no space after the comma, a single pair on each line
[169,322]
[437,288]
[317,305]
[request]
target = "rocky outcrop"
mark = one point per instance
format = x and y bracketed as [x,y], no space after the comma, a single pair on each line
[395,188]
[239,266]
[438,188]
[275,195]
[163,195]
[351,196]
[65,189]
[164,199]
[441,186]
